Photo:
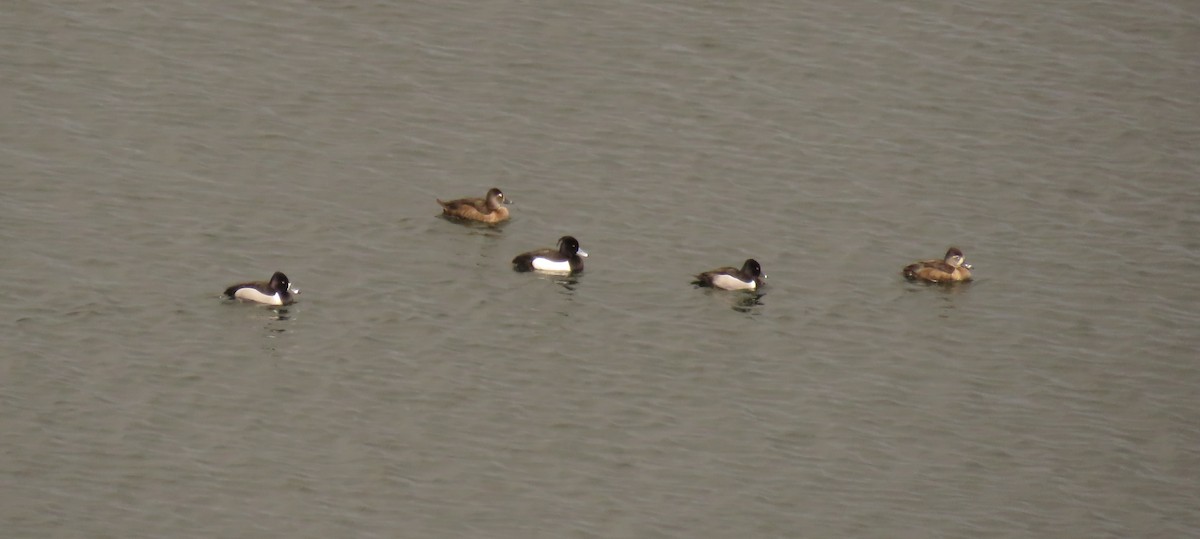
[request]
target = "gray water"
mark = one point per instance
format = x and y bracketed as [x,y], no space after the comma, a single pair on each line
[152,153]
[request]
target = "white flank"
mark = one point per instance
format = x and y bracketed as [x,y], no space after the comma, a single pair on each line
[729,282]
[251,294]
[550,265]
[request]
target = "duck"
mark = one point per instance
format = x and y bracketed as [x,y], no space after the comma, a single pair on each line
[489,209]
[750,277]
[277,291]
[567,258]
[953,268]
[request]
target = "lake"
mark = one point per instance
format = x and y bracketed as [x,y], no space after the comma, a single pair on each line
[155,153]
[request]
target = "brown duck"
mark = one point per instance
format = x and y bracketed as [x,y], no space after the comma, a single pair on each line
[954,268]
[489,209]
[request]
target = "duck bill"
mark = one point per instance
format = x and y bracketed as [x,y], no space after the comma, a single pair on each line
[967,265]
[581,253]
[293,289]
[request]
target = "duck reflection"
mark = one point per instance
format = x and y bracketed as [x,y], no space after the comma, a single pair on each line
[747,302]
[568,282]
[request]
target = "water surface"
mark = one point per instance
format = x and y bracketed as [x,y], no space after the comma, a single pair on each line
[155,153]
